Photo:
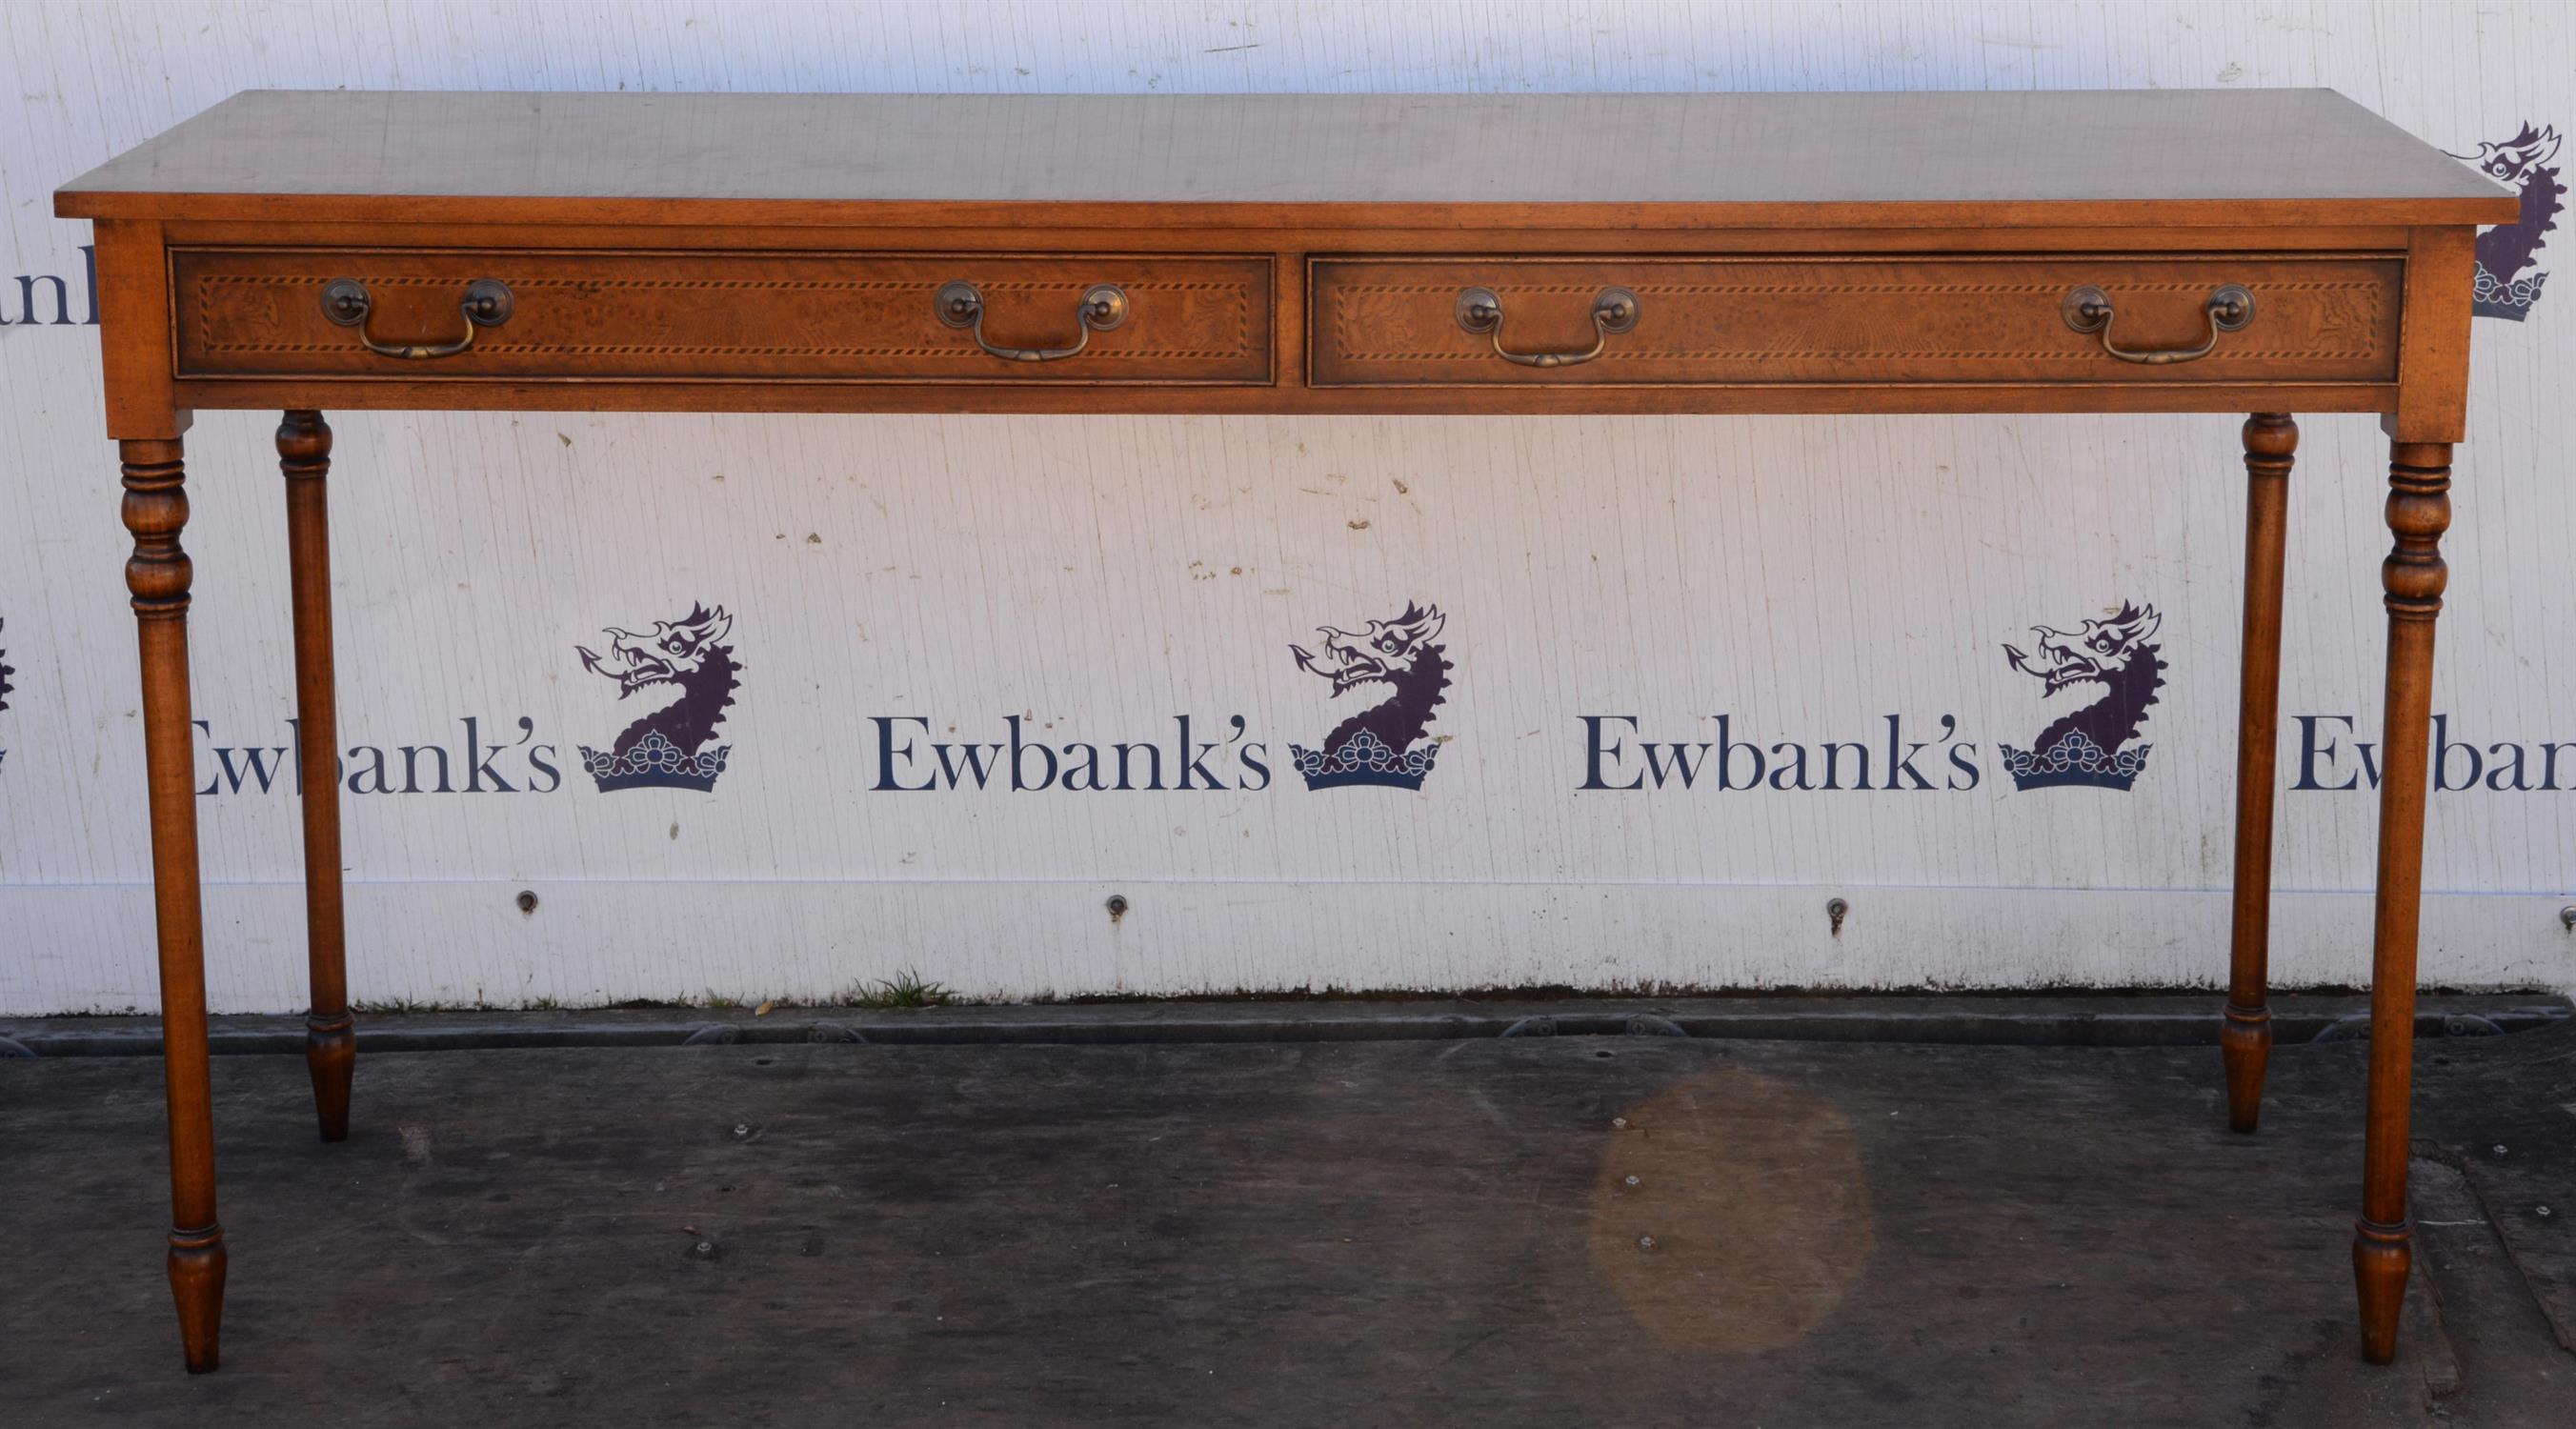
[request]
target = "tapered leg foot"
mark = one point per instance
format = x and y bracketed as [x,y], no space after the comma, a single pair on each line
[2245,1037]
[2381,1256]
[2419,510]
[331,1055]
[158,574]
[2245,1044]
[197,1283]
[330,1041]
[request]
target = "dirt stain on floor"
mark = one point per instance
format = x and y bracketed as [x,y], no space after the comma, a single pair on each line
[1731,1213]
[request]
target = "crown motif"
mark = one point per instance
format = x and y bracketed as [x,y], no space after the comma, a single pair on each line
[1364,759]
[2497,298]
[2075,759]
[655,762]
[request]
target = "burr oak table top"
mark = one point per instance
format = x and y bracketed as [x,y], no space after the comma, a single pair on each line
[2195,157]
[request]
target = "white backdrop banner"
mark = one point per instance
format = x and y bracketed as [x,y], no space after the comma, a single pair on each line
[781,706]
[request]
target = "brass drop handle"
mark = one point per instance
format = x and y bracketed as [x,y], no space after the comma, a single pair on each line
[487,304]
[2088,309]
[1613,312]
[961,304]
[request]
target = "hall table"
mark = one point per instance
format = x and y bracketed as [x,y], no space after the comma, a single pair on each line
[2263,252]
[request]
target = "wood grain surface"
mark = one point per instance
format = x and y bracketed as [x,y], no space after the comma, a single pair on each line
[1819,320]
[2207,156]
[609,315]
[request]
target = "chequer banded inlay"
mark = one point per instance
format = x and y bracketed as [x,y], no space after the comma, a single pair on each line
[1470,351]
[499,341]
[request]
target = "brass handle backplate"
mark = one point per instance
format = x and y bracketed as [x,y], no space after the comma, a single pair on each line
[487,304]
[961,304]
[1613,312]
[2088,309]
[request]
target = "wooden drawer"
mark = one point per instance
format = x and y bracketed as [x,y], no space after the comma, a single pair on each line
[1397,322]
[827,317]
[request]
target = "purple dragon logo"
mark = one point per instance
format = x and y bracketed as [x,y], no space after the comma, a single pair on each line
[667,748]
[1384,743]
[2090,745]
[2508,248]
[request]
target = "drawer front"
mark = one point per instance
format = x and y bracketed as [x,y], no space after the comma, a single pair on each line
[776,316]
[1402,322]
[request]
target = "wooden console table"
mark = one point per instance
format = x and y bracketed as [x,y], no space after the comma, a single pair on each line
[2264,252]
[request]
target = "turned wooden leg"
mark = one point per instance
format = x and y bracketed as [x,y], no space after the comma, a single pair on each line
[330,1034]
[156,507]
[2419,510]
[2245,1036]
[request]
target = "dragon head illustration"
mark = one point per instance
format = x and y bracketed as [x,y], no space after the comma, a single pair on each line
[670,653]
[1377,744]
[2513,160]
[1386,650]
[667,745]
[2504,289]
[2098,652]
[2090,745]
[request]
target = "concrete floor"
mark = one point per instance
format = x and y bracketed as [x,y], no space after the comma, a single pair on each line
[1341,1233]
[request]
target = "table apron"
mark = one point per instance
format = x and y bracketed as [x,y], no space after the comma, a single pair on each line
[1133,399]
